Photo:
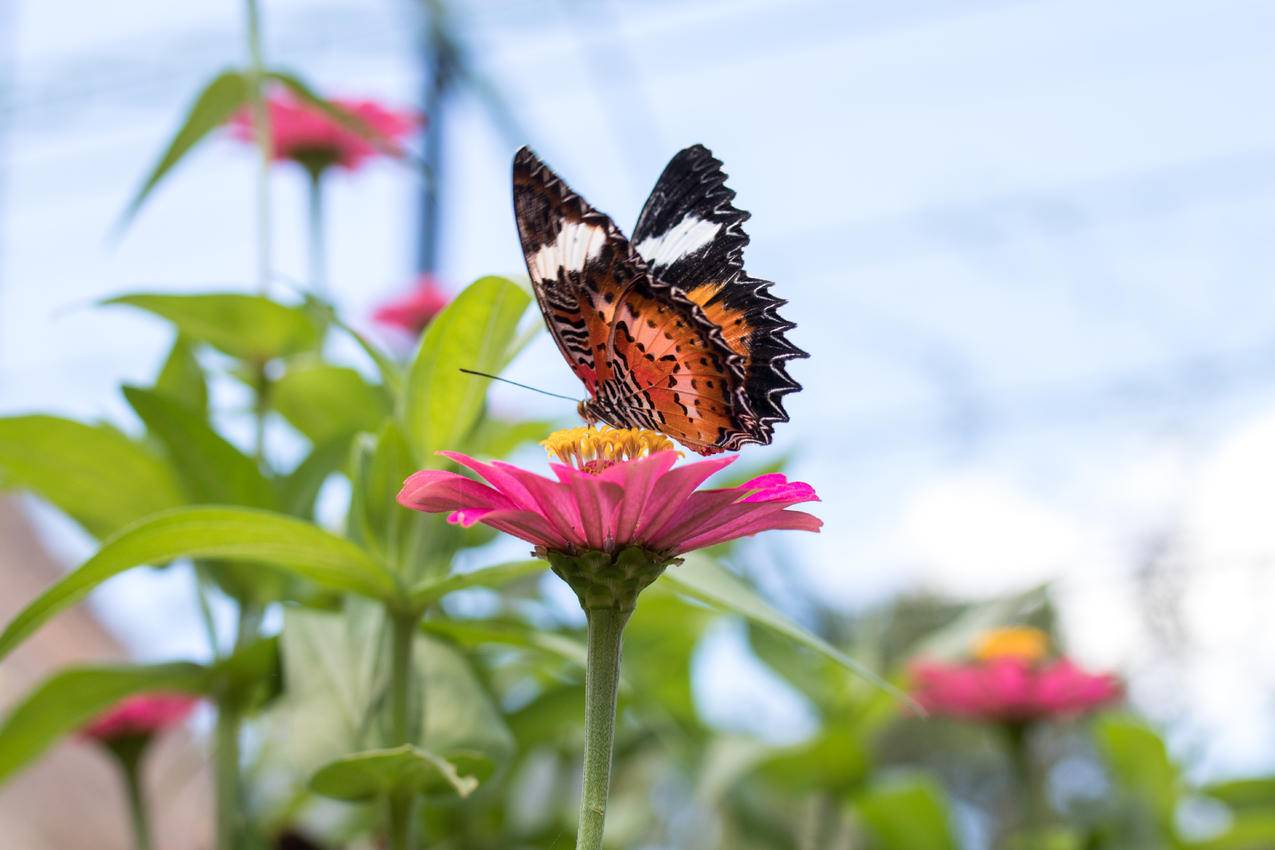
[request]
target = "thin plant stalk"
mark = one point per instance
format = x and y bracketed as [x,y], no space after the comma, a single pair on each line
[128,755]
[262,134]
[318,259]
[230,819]
[401,805]
[601,688]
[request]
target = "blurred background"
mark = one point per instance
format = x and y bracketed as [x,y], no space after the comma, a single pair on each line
[1026,242]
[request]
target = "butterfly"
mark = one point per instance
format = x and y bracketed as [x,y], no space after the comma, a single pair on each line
[666,330]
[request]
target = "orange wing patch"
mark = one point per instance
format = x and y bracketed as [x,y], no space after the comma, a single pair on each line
[732,321]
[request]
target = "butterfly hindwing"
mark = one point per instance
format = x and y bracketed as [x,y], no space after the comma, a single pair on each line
[645,351]
[691,234]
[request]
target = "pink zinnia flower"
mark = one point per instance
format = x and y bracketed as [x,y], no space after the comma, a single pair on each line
[1011,681]
[303,134]
[140,715]
[621,490]
[413,311]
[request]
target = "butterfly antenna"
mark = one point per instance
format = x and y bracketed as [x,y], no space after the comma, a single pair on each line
[516,384]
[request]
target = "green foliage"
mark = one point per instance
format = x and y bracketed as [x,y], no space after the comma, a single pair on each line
[213,106]
[405,769]
[252,328]
[429,591]
[906,813]
[441,404]
[182,379]
[212,470]
[324,402]
[96,475]
[1140,764]
[211,532]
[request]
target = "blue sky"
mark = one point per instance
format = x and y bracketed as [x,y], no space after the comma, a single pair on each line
[1026,243]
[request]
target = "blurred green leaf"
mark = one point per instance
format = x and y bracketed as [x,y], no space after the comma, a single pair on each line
[834,761]
[508,633]
[1140,765]
[906,814]
[213,107]
[300,487]
[182,378]
[498,439]
[431,590]
[250,327]
[391,373]
[702,579]
[71,698]
[1255,792]
[323,401]
[462,722]
[212,532]
[441,404]
[1250,830]
[98,476]
[213,470]
[378,467]
[659,647]
[383,773]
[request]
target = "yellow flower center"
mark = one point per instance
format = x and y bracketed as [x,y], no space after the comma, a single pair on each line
[595,449]
[1015,642]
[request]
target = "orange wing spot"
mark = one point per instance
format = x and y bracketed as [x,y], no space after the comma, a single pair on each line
[733,323]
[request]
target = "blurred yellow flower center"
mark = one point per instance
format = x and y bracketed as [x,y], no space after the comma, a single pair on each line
[595,449]
[1015,642]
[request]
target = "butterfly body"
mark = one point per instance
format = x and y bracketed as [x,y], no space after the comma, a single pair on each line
[666,331]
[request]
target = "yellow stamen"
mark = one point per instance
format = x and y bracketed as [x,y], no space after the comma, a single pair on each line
[1014,642]
[594,449]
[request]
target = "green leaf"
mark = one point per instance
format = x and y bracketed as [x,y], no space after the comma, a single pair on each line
[496,438]
[659,650]
[230,534]
[213,107]
[1250,830]
[441,404]
[95,474]
[906,814]
[250,327]
[71,698]
[323,401]
[300,487]
[214,471]
[702,579]
[1140,765]
[182,378]
[391,373]
[378,774]
[473,633]
[832,762]
[1256,792]
[430,591]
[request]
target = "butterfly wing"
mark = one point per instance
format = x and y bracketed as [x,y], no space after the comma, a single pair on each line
[691,235]
[645,351]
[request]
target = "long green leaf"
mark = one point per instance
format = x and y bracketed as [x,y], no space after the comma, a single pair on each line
[476,331]
[212,532]
[430,591]
[907,813]
[324,401]
[701,578]
[214,471]
[508,633]
[182,378]
[98,476]
[71,698]
[213,107]
[250,327]
[383,773]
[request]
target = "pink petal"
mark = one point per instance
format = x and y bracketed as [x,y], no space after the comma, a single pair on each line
[783,520]
[498,475]
[437,490]
[777,488]
[554,502]
[637,479]
[673,488]
[596,502]
[527,525]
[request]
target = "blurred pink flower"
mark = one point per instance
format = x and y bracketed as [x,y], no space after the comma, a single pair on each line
[622,490]
[140,715]
[303,134]
[413,311]
[1011,688]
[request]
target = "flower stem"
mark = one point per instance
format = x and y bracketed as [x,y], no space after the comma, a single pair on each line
[401,805]
[318,266]
[128,754]
[1033,811]
[601,686]
[261,129]
[231,822]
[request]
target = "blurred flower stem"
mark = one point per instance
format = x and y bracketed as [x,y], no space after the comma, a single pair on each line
[231,817]
[1032,814]
[601,684]
[128,752]
[314,202]
[261,127]
[401,805]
